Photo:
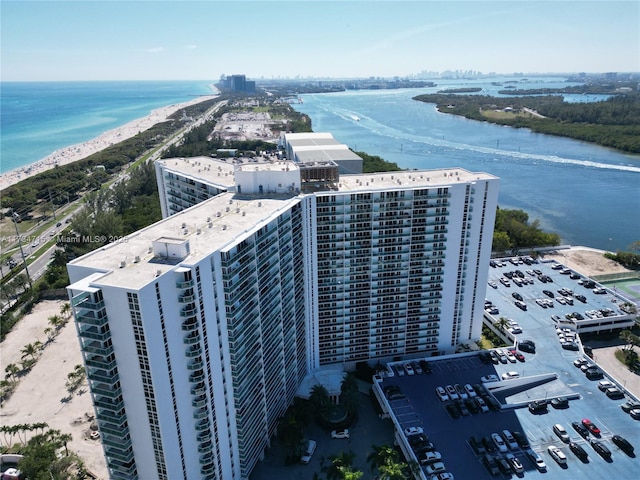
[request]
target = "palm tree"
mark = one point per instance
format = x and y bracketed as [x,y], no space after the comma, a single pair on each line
[382,455]
[56,321]
[340,464]
[502,324]
[65,310]
[320,401]
[12,371]
[349,393]
[30,350]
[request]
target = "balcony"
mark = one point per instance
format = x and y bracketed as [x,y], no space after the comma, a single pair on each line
[204,436]
[193,351]
[97,348]
[193,337]
[186,298]
[196,364]
[199,402]
[189,311]
[190,325]
[183,285]
[94,333]
[205,447]
[201,414]
[203,425]
[199,389]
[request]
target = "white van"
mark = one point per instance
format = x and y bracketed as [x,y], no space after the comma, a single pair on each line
[311,447]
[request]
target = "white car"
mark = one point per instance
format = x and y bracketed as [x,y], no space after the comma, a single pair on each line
[561,432]
[461,391]
[409,368]
[509,438]
[510,375]
[482,405]
[515,463]
[437,467]
[470,391]
[340,433]
[497,439]
[442,394]
[537,460]
[489,379]
[510,356]
[430,457]
[557,455]
[451,391]
[413,431]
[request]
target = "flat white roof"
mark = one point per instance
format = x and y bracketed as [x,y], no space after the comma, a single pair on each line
[224,219]
[214,171]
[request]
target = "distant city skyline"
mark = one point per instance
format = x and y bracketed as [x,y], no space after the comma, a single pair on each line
[197,40]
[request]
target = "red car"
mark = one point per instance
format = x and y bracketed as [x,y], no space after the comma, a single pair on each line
[588,424]
[518,355]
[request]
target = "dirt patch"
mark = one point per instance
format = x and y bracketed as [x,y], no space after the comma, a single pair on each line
[586,261]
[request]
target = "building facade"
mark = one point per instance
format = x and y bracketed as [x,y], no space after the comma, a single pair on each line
[197,331]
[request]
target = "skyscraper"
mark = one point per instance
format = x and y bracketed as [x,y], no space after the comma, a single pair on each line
[198,330]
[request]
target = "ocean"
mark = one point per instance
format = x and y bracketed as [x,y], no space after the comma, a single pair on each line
[41,117]
[588,194]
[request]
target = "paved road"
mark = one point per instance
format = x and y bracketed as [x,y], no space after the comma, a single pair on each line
[604,355]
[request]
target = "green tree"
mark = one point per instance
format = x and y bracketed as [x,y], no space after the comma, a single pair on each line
[349,392]
[341,466]
[502,324]
[320,401]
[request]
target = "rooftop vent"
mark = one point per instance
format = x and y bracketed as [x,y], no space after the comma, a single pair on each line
[137,259]
[158,273]
[123,264]
[244,213]
[218,214]
[198,231]
[224,227]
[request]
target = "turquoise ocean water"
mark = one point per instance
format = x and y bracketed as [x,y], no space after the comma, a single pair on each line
[38,118]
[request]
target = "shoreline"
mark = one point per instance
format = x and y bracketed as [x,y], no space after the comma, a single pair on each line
[82,150]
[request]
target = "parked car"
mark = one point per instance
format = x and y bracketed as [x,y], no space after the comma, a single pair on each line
[340,433]
[600,448]
[622,443]
[537,460]
[489,379]
[428,458]
[437,467]
[557,455]
[490,464]
[630,405]
[489,445]
[603,385]
[538,406]
[589,425]
[509,439]
[614,393]
[452,410]
[470,391]
[441,393]
[516,465]
[522,440]
[581,429]
[560,431]
[476,445]
[308,453]
[451,391]
[510,375]
[481,405]
[579,452]
[559,402]
[413,431]
[499,442]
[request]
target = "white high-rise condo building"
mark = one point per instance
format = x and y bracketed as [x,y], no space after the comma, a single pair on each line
[197,331]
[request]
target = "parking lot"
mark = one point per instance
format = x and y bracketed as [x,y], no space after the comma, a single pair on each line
[421,407]
[544,375]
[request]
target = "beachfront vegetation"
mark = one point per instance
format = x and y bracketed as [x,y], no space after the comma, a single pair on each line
[614,122]
[627,259]
[374,163]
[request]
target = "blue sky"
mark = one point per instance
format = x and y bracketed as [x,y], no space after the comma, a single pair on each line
[200,40]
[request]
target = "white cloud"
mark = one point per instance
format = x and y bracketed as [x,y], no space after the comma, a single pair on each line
[190,47]
[155,50]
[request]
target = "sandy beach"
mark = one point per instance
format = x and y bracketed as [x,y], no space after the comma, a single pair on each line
[79,151]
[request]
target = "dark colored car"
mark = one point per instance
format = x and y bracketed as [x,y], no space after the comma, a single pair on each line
[622,443]
[453,411]
[471,405]
[488,444]
[490,463]
[582,430]
[503,465]
[601,448]
[630,405]
[521,438]
[580,452]
[477,446]
[560,402]
[538,406]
